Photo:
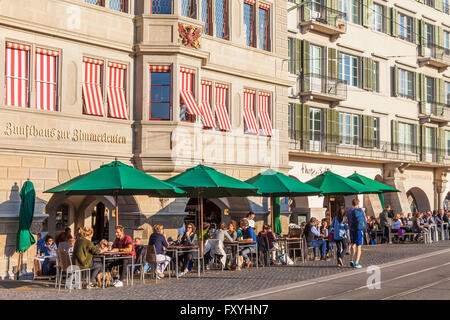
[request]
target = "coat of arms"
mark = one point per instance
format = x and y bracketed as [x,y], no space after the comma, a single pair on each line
[189,35]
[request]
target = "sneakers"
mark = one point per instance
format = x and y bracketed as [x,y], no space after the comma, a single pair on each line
[159,274]
[352,263]
[340,262]
[358,266]
[118,283]
[247,264]
[90,286]
[180,274]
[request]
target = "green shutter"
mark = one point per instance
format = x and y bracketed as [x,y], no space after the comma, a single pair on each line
[394,21]
[394,131]
[440,42]
[305,127]
[423,140]
[441,144]
[440,95]
[369,75]
[375,76]
[423,95]
[439,5]
[306,11]
[298,121]
[395,80]
[333,4]
[422,38]
[367,12]
[305,57]
[332,63]
[298,56]
[418,31]
[417,92]
[389,21]
[332,130]
[368,132]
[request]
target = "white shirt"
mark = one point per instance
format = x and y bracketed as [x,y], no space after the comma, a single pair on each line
[251,223]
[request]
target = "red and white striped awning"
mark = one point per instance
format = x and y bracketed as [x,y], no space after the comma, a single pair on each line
[92,91]
[264,6]
[250,1]
[16,72]
[186,92]
[45,79]
[207,116]
[158,68]
[116,91]
[221,107]
[249,115]
[263,111]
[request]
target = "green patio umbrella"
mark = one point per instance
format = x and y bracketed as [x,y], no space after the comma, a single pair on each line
[374,185]
[117,178]
[276,211]
[24,236]
[275,184]
[206,182]
[333,184]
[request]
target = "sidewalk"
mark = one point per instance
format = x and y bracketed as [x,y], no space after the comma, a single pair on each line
[218,284]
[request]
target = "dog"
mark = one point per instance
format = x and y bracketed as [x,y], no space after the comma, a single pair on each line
[109,280]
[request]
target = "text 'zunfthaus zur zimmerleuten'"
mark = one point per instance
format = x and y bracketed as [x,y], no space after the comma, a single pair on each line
[75,135]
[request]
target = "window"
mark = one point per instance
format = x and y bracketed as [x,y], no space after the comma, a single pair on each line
[189,107]
[292,52]
[119,5]
[447,94]
[249,22]
[405,28]
[265,123]
[376,132]
[45,79]
[207,17]
[447,133]
[116,84]
[447,40]
[222,107]
[161,6]
[352,10]
[379,21]
[221,19]
[428,39]
[430,3]
[348,69]
[264,31]
[348,129]
[160,93]
[405,137]
[92,87]
[96,2]
[405,84]
[292,123]
[17,72]
[315,129]
[430,84]
[189,9]
[447,6]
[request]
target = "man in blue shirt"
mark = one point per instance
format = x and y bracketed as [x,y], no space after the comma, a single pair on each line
[315,239]
[248,235]
[357,225]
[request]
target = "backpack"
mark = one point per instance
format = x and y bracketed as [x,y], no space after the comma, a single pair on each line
[358,220]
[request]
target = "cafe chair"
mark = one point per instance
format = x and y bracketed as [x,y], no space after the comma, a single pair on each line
[138,262]
[64,265]
[263,251]
[150,258]
[37,271]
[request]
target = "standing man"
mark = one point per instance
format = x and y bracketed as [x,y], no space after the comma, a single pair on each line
[122,244]
[251,222]
[357,226]
[385,223]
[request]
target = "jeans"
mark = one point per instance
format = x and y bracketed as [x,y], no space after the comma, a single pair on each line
[341,246]
[322,244]
[123,263]
[95,269]
[245,252]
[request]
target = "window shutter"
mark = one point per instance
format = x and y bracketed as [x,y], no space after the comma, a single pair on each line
[394,22]
[440,95]
[394,130]
[441,142]
[418,31]
[374,76]
[298,121]
[298,56]
[422,93]
[334,4]
[367,9]
[395,80]
[305,57]
[368,73]
[389,21]
[305,126]
[422,38]
[332,130]
[417,92]
[306,8]
[422,131]
[440,42]
[368,132]
[439,5]
[332,63]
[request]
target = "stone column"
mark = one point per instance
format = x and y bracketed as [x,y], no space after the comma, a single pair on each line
[393,174]
[440,182]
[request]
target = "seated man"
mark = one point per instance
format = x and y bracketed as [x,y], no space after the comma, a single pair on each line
[248,235]
[315,239]
[122,244]
[71,245]
[50,247]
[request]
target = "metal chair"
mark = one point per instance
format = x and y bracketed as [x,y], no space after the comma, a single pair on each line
[150,257]
[37,271]
[64,265]
[138,262]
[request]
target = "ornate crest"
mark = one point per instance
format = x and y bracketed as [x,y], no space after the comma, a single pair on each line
[189,35]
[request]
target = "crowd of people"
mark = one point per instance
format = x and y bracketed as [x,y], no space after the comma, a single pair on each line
[348,230]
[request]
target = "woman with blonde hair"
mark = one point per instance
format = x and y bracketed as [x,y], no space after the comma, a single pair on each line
[158,239]
[83,253]
[397,222]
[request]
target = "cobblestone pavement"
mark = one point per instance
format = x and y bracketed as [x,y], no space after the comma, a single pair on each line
[218,284]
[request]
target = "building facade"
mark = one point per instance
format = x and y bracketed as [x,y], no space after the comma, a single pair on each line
[372,95]
[162,85]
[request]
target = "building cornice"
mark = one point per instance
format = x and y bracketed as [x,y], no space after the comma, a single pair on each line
[404,8]
[347,46]
[405,64]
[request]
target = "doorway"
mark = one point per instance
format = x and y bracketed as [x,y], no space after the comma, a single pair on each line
[100,222]
[211,212]
[336,203]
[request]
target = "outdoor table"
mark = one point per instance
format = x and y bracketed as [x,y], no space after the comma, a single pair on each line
[443,227]
[114,255]
[182,249]
[433,230]
[237,244]
[285,242]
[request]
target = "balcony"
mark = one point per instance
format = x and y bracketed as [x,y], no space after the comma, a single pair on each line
[435,56]
[435,112]
[319,87]
[364,149]
[117,5]
[317,17]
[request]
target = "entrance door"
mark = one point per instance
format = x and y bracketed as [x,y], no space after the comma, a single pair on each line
[212,214]
[100,222]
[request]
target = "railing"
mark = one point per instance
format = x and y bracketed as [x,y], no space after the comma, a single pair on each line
[436,109]
[364,148]
[117,5]
[317,83]
[435,51]
[313,11]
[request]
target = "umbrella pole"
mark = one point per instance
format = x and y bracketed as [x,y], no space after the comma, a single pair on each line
[19,265]
[201,222]
[271,213]
[116,196]
[329,210]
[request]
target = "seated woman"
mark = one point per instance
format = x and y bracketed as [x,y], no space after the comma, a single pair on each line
[417,226]
[189,238]
[211,249]
[83,253]
[396,230]
[50,247]
[232,230]
[158,239]
[271,243]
